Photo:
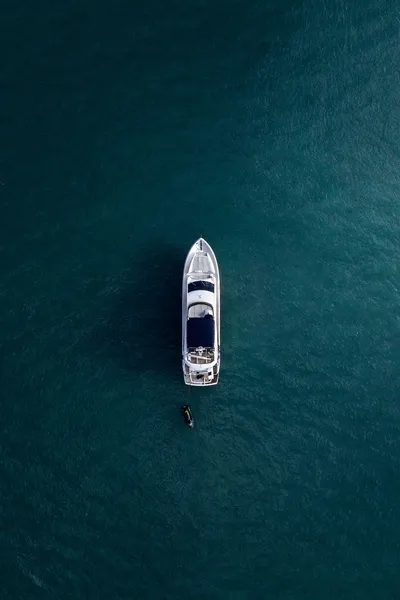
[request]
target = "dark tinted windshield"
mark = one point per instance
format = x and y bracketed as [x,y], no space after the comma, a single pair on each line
[196,286]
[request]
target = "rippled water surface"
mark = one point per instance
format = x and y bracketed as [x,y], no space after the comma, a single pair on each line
[128,130]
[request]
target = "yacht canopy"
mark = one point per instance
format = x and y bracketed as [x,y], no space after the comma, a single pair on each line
[200,332]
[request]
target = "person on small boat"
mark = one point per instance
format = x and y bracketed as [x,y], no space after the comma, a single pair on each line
[187,415]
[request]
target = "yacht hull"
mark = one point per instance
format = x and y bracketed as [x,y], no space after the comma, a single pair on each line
[201,316]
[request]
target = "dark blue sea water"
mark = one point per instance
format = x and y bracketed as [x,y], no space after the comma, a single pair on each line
[127,130]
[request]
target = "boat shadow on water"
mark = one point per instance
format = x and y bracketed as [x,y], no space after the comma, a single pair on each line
[142,331]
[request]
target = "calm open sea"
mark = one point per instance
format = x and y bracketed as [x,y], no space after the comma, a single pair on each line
[127,130]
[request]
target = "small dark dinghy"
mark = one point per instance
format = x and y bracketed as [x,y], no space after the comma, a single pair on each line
[187,415]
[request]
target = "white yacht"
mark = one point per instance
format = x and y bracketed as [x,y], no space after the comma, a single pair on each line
[201,316]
